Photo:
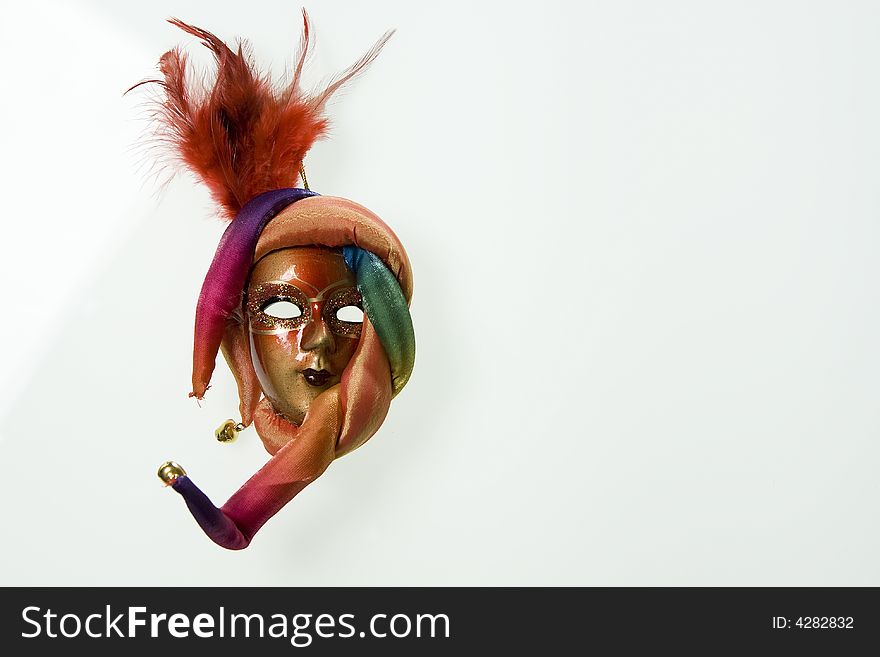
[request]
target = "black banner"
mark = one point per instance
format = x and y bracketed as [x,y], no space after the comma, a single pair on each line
[437,621]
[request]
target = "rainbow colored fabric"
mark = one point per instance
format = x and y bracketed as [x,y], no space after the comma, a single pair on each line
[342,418]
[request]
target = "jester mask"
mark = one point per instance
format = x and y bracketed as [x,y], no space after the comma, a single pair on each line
[307,296]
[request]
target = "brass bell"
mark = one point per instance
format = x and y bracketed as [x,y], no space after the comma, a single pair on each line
[170,471]
[228,431]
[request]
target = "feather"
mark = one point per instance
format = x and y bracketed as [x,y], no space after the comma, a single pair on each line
[241,135]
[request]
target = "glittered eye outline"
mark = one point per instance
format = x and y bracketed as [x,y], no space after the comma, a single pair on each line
[338,300]
[264,295]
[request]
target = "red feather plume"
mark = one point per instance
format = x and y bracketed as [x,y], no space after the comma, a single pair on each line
[241,135]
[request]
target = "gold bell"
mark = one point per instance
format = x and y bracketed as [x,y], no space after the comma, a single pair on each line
[170,471]
[228,431]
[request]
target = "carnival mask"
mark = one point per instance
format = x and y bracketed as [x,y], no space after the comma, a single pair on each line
[304,317]
[307,295]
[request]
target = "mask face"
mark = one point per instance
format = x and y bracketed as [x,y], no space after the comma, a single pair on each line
[304,314]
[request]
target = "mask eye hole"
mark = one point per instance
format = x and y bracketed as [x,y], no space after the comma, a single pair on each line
[281,309]
[351,314]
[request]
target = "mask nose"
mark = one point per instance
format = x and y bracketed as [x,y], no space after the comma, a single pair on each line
[316,334]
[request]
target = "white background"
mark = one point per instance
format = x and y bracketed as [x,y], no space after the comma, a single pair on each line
[644,238]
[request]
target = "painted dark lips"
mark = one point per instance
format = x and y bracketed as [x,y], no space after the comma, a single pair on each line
[316,378]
